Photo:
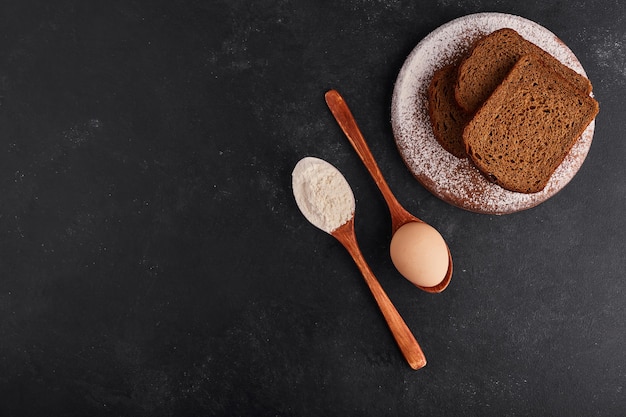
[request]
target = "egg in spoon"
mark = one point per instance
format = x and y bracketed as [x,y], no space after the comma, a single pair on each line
[417,249]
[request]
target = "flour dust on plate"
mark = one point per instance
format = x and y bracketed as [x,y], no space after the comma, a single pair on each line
[455,180]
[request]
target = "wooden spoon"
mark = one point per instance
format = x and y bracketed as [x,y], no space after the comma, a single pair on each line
[345,234]
[399,216]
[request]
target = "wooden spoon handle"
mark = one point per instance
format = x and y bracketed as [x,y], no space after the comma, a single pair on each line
[340,110]
[402,334]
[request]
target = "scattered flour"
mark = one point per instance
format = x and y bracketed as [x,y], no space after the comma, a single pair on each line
[322,194]
[452,179]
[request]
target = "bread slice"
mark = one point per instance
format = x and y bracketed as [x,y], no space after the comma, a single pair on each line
[524,130]
[491,59]
[446,117]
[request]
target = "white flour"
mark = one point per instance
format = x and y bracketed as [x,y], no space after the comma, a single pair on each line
[322,194]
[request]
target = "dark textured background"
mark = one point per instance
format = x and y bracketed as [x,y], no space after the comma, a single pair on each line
[153,261]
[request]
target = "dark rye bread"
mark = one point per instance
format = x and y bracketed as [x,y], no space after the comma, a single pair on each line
[524,130]
[491,59]
[446,117]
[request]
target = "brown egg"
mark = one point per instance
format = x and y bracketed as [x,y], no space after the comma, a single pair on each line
[420,254]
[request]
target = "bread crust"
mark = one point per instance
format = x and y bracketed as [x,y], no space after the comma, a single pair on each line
[447,118]
[490,60]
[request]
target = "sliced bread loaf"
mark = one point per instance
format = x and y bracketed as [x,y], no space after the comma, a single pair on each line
[446,117]
[491,59]
[524,130]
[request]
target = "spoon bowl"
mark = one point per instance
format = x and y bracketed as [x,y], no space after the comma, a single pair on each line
[399,215]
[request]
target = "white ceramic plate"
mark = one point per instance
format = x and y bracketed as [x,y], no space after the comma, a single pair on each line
[452,179]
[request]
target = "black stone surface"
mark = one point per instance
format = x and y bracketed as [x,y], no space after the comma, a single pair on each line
[153,261]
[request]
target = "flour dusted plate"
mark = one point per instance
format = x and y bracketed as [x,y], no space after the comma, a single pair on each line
[455,180]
